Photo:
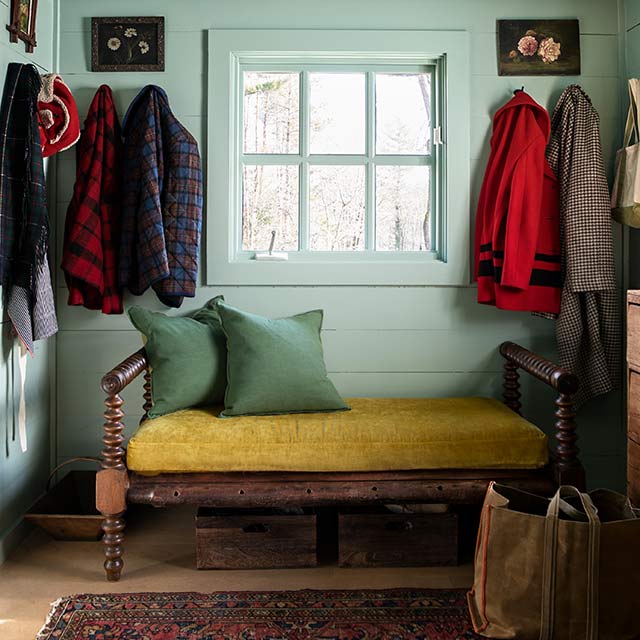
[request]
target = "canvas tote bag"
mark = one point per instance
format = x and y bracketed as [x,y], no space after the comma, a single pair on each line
[625,196]
[561,569]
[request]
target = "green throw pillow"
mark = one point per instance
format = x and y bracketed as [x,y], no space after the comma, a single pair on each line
[187,357]
[275,366]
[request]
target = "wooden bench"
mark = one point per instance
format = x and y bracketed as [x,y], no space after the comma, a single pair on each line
[116,486]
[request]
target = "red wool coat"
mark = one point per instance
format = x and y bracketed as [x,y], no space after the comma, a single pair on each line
[89,256]
[517,240]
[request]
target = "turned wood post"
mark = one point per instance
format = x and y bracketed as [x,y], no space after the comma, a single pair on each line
[147,394]
[568,469]
[112,481]
[511,387]
[113,458]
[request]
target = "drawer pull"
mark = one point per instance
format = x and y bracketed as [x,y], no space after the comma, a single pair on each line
[258,527]
[398,526]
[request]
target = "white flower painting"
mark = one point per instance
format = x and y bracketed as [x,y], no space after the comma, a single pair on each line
[127,44]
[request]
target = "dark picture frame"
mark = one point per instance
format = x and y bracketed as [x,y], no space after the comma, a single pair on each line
[23,23]
[538,47]
[127,44]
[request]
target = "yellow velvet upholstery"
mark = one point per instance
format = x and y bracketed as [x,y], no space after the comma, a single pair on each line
[376,435]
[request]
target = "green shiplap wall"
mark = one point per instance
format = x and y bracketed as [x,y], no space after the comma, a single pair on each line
[632,36]
[397,341]
[23,475]
[631,26]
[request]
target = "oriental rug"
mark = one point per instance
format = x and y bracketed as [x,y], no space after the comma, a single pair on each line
[396,614]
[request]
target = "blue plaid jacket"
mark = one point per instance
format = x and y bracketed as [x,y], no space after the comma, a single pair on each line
[161,201]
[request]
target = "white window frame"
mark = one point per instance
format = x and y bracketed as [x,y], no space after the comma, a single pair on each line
[304,160]
[231,50]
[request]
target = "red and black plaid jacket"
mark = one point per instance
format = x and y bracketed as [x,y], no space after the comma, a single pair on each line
[92,226]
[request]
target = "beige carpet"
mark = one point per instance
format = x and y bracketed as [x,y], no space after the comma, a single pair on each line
[160,556]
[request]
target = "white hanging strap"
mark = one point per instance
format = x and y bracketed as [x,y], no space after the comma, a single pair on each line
[22,410]
[632,126]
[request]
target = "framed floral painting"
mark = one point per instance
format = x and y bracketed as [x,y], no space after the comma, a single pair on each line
[538,47]
[23,23]
[127,44]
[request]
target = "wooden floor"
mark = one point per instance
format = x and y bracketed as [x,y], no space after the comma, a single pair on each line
[160,556]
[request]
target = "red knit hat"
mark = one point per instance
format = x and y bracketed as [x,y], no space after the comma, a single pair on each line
[57,115]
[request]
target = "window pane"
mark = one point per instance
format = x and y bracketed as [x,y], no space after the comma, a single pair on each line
[270,202]
[403,209]
[403,113]
[337,119]
[271,112]
[336,208]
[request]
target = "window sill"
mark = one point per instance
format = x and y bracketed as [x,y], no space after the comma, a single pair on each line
[426,271]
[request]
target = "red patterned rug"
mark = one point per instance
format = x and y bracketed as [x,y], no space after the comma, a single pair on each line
[268,615]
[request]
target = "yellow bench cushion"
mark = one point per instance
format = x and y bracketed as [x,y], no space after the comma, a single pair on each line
[376,435]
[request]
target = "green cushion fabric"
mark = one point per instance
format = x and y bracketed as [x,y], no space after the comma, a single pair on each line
[187,357]
[275,366]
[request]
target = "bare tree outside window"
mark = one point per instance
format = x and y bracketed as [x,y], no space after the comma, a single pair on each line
[315,182]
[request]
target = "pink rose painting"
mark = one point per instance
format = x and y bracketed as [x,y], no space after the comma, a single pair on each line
[549,50]
[527,45]
[538,47]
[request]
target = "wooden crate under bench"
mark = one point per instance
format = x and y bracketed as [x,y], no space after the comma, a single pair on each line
[380,538]
[366,537]
[254,539]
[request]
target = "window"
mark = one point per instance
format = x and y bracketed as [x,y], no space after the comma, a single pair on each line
[337,159]
[333,147]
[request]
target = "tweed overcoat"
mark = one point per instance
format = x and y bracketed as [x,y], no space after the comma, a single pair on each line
[161,201]
[588,331]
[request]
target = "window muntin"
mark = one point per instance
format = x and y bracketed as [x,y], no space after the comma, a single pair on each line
[348,146]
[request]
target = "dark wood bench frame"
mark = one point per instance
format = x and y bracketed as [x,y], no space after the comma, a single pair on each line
[116,486]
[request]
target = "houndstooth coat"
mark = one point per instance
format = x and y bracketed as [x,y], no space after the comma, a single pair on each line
[588,331]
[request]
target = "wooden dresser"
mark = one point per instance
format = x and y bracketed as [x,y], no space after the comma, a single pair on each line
[633,401]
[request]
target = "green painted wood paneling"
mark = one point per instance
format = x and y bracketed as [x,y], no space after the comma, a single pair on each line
[632,70]
[394,309]
[397,341]
[23,475]
[595,16]
[632,13]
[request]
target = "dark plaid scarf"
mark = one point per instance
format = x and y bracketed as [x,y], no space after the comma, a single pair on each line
[24,223]
[89,257]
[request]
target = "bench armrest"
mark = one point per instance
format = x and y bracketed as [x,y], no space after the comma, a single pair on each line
[121,375]
[112,384]
[550,373]
[566,464]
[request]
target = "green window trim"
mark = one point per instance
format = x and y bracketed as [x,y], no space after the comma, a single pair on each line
[444,54]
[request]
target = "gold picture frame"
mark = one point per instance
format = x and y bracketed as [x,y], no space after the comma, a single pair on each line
[23,23]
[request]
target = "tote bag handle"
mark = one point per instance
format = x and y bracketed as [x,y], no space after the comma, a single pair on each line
[632,127]
[556,505]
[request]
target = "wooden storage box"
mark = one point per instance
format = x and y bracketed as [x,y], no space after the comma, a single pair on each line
[68,511]
[380,538]
[254,539]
